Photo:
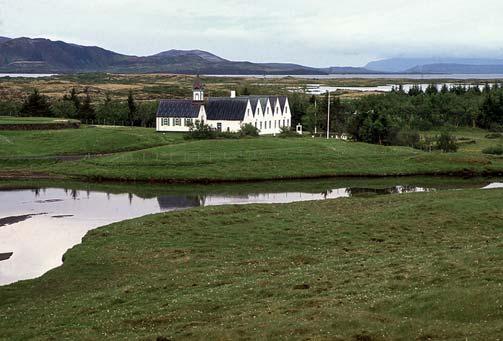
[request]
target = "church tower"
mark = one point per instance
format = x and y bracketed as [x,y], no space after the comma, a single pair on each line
[198,90]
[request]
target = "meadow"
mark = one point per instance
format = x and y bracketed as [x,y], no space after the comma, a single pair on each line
[423,266]
[141,154]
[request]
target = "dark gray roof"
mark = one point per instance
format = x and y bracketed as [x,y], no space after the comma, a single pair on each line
[217,108]
[178,108]
[282,102]
[226,109]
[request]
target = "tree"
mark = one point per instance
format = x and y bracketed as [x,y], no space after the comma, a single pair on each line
[73,98]
[132,109]
[245,92]
[86,109]
[36,105]
[64,108]
[431,90]
[447,142]
[310,119]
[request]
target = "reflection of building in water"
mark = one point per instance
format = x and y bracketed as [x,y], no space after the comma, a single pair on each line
[355,191]
[173,202]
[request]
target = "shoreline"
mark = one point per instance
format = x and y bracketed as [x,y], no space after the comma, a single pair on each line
[466,173]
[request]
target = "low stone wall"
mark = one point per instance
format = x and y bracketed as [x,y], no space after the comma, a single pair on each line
[41,126]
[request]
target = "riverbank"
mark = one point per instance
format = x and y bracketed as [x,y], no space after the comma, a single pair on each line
[415,266]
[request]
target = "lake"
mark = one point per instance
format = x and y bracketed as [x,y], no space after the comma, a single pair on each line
[26,75]
[318,89]
[377,76]
[39,224]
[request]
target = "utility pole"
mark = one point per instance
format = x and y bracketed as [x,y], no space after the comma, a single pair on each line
[328,116]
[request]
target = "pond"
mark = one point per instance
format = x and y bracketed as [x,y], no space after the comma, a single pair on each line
[39,222]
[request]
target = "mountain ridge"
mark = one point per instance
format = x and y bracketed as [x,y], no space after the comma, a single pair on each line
[40,55]
[407,65]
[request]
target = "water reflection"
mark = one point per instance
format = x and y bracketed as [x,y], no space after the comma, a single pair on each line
[37,226]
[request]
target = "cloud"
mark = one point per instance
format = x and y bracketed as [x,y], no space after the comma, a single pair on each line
[318,32]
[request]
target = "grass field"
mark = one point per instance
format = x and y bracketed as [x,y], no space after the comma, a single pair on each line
[32,120]
[406,267]
[140,154]
[467,137]
[92,140]
[275,158]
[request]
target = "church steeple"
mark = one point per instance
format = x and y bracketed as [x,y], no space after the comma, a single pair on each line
[198,90]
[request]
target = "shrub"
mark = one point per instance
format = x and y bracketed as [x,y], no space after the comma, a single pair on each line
[409,138]
[446,142]
[496,128]
[249,130]
[494,136]
[288,132]
[200,131]
[494,150]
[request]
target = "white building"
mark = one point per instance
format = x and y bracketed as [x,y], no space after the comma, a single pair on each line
[268,114]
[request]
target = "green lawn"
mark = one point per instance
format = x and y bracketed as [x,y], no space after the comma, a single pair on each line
[32,120]
[274,158]
[144,155]
[466,136]
[423,266]
[101,139]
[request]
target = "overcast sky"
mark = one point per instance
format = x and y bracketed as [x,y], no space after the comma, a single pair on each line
[311,32]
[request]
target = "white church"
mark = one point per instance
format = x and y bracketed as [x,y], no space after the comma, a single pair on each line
[268,114]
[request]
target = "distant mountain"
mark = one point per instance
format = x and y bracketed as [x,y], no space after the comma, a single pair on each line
[401,65]
[457,68]
[188,53]
[3,39]
[342,70]
[25,55]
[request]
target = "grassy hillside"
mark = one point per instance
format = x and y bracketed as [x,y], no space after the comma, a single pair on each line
[150,156]
[274,158]
[92,140]
[31,120]
[422,266]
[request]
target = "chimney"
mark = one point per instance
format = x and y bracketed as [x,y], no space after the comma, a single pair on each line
[233,94]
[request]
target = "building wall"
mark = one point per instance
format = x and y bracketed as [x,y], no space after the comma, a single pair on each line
[231,126]
[161,126]
[269,122]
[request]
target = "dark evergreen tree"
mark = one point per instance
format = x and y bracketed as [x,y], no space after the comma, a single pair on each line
[36,105]
[431,89]
[86,109]
[132,108]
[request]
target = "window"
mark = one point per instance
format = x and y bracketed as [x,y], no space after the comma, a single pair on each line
[287,123]
[219,126]
[255,124]
[275,123]
[261,125]
[188,122]
[165,121]
[270,124]
[178,122]
[284,123]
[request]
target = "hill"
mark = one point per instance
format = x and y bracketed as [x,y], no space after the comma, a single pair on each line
[334,70]
[25,55]
[4,39]
[458,68]
[399,65]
